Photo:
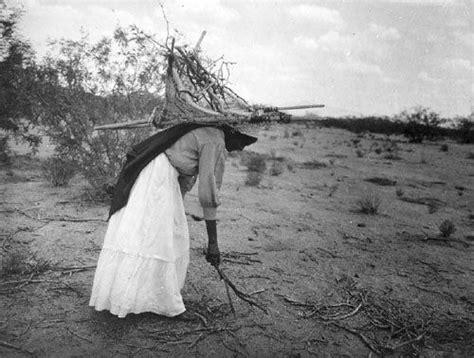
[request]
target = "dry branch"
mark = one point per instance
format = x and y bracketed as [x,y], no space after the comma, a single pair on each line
[361,337]
[242,295]
[12,346]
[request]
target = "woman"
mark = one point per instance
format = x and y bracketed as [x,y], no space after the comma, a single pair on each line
[144,259]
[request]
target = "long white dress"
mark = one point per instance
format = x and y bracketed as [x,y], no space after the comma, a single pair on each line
[144,259]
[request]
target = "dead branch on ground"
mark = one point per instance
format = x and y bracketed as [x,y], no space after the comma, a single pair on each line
[242,295]
[12,346]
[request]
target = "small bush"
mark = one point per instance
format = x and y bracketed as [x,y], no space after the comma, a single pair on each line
[17,263]
[253,178]
[399,192]
[360,153]
[13,264]
[313,164]
[297,133]
[4,151]
[447,228]
[420,124]
[58,171]
[369,204]
[466,130]
[254,162]
[378,150]
[291,166]
[470,155]
[381,181]
[392,156]
[276,168]
[444,148]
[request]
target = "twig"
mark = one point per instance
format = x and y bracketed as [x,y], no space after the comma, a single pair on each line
[9,345]
[230,298]
[243,296]
[66,270]
[257,292]
[361,336]
[79,336]
[352,313]
[202,318]
[196,341]
[419,338]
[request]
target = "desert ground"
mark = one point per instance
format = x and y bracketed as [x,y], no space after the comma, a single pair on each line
[335,282]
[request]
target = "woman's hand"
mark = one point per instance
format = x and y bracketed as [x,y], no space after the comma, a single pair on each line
[213,255]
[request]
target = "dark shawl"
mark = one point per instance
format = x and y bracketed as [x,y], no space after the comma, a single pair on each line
[144,152]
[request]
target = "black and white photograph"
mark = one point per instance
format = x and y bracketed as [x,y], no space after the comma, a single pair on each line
[236,178]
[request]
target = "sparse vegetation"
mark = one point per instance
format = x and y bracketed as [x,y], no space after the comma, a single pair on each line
[381,181]
[19,263]
[444,147]
[277,168]
[447,228]
[313,164]
[254,162]
[369,204]
[58,171]
[399,192]
[360,153]
[253,178]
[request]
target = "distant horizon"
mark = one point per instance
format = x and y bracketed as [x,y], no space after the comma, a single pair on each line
[358,58]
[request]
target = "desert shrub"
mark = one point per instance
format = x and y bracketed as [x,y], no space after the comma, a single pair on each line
[360,153]
[276,168]
[313,164]
[21,263]
[58,171]
[369,204]
[381,181]
[399,192]
[290,165]
[4,151]
[444,148]
[465,130]
[253,178]
[447,228]
[81,85]
[420,124]
[470,155]
[297,133]
[391,156]
[433,206]
[378,150]
[17,69]
[13,264]
[254,162]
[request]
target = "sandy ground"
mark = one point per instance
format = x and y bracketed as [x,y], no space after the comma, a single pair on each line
[335,282]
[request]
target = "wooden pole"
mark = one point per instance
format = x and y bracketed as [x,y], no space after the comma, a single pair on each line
[198,44]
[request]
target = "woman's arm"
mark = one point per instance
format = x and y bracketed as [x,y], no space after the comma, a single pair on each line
[213,255]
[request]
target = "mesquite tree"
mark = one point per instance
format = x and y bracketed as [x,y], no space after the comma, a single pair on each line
[16,76]
[80,85]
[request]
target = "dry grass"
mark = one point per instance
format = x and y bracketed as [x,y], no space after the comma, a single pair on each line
[58,171]
[253,178]
[277,168]
[369,204]
[447,228]
[381,181]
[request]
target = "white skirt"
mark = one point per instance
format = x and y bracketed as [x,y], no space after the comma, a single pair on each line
[144,259]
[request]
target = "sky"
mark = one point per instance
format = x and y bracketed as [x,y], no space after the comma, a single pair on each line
[358,57]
